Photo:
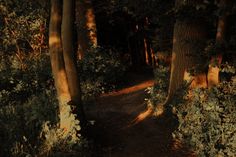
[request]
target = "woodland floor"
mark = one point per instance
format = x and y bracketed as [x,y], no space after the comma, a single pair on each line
[116,135]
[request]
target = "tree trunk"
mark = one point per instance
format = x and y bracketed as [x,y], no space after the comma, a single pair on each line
[186,34]
[91,23]
[148,53]
[213,71]
[57,61]
[69,58]
[86,26]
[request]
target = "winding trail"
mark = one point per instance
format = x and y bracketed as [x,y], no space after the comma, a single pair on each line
[116,135]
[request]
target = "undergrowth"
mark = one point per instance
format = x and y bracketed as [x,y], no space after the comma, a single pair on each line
[101,70]
[207,121]
[206,116]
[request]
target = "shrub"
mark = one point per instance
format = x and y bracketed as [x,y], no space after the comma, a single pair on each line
[23,26]
[29,110]
[101,70]
[207,121]
[207,118]
[158,93]
[26,89]
[27,101]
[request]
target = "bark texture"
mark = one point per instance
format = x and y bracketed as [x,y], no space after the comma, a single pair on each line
[69,57]
[56,56]
[86,26]
[64,69]
[186,35]
[213,71]
[68,50]
[187,32]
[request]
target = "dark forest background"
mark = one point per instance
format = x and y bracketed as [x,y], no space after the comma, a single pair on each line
[111,39]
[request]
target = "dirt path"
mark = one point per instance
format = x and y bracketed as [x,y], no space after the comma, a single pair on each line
[117,136]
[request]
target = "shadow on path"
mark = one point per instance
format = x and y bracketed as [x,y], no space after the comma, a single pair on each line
[115,137]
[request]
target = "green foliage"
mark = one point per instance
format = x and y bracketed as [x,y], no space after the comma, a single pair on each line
[160,19]
[193,9]
[27,101]
[28,108]
[26,92]
[158,93]
[207,120]
[101,69]
[154,19]
[206,117]
[232,29]
[56,140]
[23,22]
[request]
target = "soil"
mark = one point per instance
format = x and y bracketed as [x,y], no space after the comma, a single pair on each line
[115,132]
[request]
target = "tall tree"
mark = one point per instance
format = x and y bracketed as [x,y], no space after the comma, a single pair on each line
[91,23]
[187,32]
[86,26]
[213,71]
[69,55]
[56,56]
[63,65]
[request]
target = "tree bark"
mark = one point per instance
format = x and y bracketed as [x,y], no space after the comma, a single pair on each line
[69,58]
[147,51]
[86,26]
[213,71]
[57,61]
[91,23]
[187,32]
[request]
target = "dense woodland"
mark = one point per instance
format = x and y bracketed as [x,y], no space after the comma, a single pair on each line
[62,60]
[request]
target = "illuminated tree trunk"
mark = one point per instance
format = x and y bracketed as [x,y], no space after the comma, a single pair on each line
[186,34]
[57,61]
[147,44]
[86,26]
[213,71]
[69,58]
[64,66]
[91,23]
[147,50]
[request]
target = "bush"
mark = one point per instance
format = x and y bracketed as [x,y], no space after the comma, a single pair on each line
[23,26]
[101,70]
[207,121]
[207,117]
[29,110]
[27,94]
[27,101]
[158,93]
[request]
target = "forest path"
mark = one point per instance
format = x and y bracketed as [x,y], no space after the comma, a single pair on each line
[116,136]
